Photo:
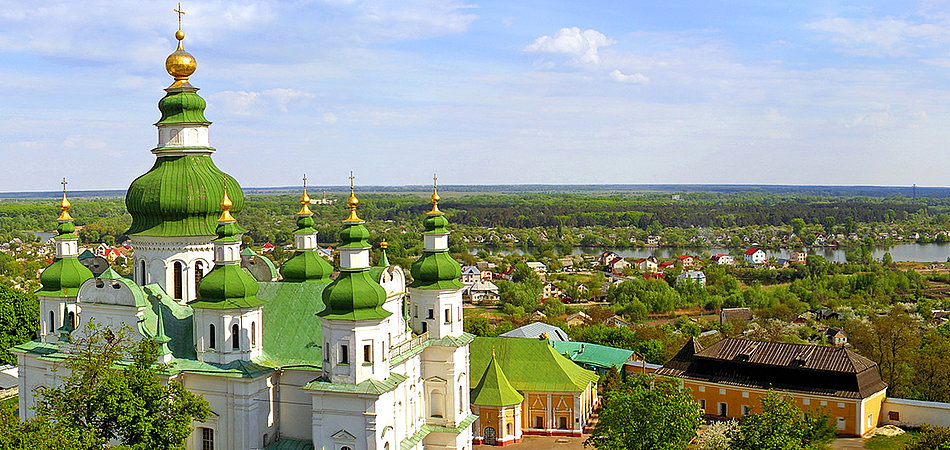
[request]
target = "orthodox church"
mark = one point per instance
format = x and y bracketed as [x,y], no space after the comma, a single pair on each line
[298,360]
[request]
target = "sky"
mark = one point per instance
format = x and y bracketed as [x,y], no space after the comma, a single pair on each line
[485,92]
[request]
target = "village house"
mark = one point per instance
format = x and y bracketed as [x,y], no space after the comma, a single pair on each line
[470,275]
[694,276]
[729,378]
[653,241]
[616,321]
[578,318]
[647,265]
[722,259]
[727,315]
[617,265]
[483,292]
[538,267]
[835,336]
[685,261]
[549,290]
[754,256]
[799,258]
[606,257]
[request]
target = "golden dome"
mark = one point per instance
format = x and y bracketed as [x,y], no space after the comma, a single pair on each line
[226,205]
[180,64]
[305,200]
[384,245]
[352,202]
[435,196]
[64,208]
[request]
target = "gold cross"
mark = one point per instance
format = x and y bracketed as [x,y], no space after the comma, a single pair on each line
[435,180]
[305,181]
[351,179]
[64,183]
[180,12]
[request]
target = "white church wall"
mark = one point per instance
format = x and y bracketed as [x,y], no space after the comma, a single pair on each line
[160,253]
[243,410]
[295,404]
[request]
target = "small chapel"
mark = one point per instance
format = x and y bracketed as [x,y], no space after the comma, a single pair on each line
[299,359]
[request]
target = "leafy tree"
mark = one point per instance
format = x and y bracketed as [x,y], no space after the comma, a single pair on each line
[477,325]
[890,341]
[611,381]
[113,392]
[646,413]
[931,438]
[782,426]
[797,226]
[19,320]
[718,436]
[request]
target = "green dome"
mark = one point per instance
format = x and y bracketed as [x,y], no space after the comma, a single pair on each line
[182,106]
[227,286]
[354,236]
[305,224]
[306,266]
[436,270]
[436,224]
[63,277]
[354,296]
[180,196]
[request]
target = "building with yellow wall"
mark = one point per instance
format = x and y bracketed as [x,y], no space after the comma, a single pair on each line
[558,396]
[730,377]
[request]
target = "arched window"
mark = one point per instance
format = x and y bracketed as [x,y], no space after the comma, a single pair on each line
[235,336]
[461,401]
[435,403]
[178,269]
[199,271]
[144,279]
[253,336]
[72,320]
[211,336]
[52,323]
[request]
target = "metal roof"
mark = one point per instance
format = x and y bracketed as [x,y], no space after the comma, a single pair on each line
[536,330]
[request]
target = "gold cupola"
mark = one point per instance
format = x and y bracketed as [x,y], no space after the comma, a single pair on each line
[352,203]
[304,200]
[64,206]
[226,205]
[435,196]
[180,64]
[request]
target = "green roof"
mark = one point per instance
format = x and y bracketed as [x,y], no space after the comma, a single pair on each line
[289,444]
[180,196]
[586,354]
[412,441]
[436,270]
[436,223]
[176,321]
[354,296]
[530,365]
[227,286]
[306,265]
[373,387]
[63,278]
[182,106]
[292,329]
[494,389]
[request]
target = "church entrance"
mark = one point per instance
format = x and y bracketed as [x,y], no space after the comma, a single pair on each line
[490,436]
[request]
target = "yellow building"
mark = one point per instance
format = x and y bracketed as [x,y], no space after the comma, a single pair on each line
[557,396]
[730,377]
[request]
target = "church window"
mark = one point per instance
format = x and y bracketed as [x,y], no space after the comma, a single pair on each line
[173,136]
[253,336]
[207,439]
[367,353]
[461,401]
[72,320]
[448,315]
[431,314]
[211,335]
[425,327]
[508,429]
[235,337]
[178,273]
[144,280]
[416,309]
[52,323]
[199,271]
[326,351]
[344,354]
[435,403]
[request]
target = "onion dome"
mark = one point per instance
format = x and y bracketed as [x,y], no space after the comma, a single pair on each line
[180,64]
[228,285]
[66,274]
[306,264]
[383,259]
[355,294]
[436,269]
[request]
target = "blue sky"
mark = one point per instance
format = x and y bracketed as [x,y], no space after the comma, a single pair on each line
[495,92]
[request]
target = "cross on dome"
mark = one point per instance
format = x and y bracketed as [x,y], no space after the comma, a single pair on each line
[304,200]
[352,202]
[64,205]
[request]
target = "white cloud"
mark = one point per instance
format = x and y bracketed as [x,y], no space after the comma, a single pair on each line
[635,78]
[251,103]
[330,118]
[582,46]
[880,37]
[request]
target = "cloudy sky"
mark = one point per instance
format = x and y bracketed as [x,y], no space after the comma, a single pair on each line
[486,92]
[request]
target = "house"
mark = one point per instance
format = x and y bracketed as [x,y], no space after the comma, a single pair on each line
[730,377]
[653,241]
[694,276]
[470,275]
[578,318]
[558,397]
[617,265]
[483,292]
[567,264]
[326,253]
[727,315]
[799,258]
[665,266]
[722,259]
[606,257]
[654,276]
[267,247]
[101,249]
[538,316]
[825,314]
[549,290]
[647,265]
[835,336]
[616,321]
[783,263]
[538,330]
[685,261]
[111,254]
[754,256]
[538,267]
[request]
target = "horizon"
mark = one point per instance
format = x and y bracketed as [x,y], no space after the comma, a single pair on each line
[851,94]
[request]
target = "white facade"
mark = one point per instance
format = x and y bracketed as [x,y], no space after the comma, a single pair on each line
[174,261]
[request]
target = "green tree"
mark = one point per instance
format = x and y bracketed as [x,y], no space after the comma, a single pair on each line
[646,413]
[828,223]
[782,426]
[19,320]
[797,226]
[477,325]
[931,438]
[113,392]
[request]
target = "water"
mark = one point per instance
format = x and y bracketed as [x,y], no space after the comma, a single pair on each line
[933,252]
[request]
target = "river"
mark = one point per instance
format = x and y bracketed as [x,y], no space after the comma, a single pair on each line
[902,252]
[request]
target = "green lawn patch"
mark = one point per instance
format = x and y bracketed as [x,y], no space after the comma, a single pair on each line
[890,442]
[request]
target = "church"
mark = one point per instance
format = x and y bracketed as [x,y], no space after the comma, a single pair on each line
[299,360]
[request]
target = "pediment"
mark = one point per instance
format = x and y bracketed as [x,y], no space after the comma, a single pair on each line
[343,435]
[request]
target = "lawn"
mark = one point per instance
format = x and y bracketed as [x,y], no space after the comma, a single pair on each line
[890,442]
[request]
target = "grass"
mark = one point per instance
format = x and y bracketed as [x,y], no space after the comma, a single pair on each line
[9,401]
[890,442]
